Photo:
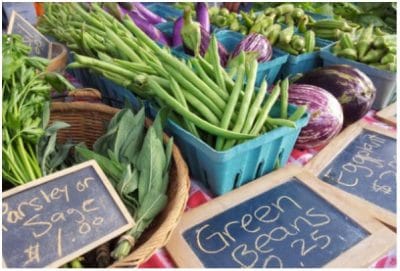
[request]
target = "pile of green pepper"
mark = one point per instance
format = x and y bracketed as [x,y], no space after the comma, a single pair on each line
[373,47]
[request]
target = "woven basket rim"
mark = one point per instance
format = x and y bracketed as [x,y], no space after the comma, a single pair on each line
[163,233]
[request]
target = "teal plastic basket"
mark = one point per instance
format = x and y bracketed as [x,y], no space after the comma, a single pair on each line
[384,81]
[224,171]
[304,62]
[165,11]
[230,39]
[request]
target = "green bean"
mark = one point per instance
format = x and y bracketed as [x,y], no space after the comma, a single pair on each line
[230,107]
[265,109]
[86,16]
[212,129]
[224,95]
[92,62]
[245,103]
[176,90]
[140,34]
[87,27]
[189,86]
[202,108]
[281,122]
[215,62]
[298,113]
[255,107]
[210,71]
[284,97]
[122,46]
[135,67]
[190,76]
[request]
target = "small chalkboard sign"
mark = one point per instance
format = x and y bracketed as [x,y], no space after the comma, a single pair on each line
[285,219]
[40,45]
[388,114]
[52,220]
[362,162]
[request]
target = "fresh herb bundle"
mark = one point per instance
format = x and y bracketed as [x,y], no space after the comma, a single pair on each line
[29,146]
[137,163]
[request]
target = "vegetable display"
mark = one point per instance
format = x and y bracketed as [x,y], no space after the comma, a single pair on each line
[198,90]
[374,48]
[353,89]
[326,116]
[137,163]
[29,145]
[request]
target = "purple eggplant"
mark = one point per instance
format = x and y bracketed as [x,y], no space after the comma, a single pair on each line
[205,41]
[176,35]
[353,89]
[150,30]
[254,43]
[147,14]
[326,118]
[202,15]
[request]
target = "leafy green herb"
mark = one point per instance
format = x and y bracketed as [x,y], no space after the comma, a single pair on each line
[137,163]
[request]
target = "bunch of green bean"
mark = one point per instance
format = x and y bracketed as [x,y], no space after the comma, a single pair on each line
[199,91]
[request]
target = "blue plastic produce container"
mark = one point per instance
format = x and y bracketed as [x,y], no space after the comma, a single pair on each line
[167,28]
[384,81]
[304,62]
[230,39]
[166,11]
[224,171]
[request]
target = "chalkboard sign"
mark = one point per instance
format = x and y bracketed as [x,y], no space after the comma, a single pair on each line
[40,45]
[52,220]
[286,219]
[388,114]
[362,162]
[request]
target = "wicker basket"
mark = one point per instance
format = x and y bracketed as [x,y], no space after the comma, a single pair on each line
[88,122]
[58,58]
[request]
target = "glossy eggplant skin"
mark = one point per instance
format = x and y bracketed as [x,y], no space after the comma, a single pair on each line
[326,117]
[353,88]
[255,42]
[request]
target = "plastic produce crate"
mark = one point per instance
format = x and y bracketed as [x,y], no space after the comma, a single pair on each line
[224,171]
[304,62]
[165,11]
[384,81]
[230,39]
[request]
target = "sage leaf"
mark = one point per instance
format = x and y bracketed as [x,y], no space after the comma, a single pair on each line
[151,163]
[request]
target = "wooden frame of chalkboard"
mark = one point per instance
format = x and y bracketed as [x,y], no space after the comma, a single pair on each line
[334,148]
[388,114]
[378,241]
[30,31]
[112,193]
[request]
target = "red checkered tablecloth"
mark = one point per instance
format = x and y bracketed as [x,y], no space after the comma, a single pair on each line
[199,195]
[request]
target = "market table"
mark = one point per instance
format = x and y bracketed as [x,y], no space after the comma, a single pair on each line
[199,195]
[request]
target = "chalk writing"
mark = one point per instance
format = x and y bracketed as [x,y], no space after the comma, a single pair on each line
[32,254]
[40,222]
[288,226]
[30,35]
[366,168]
